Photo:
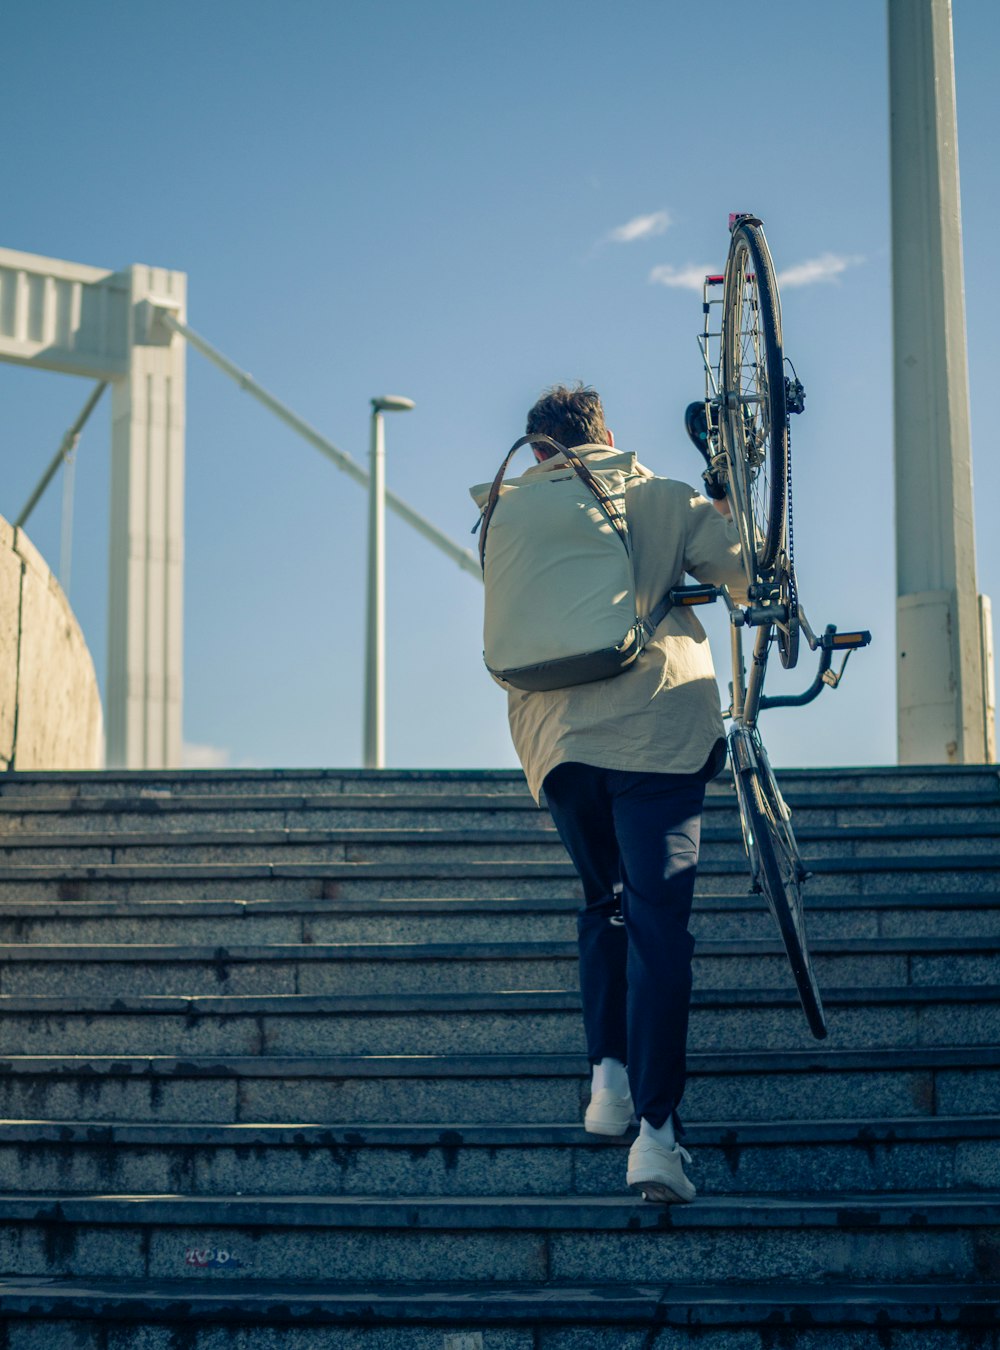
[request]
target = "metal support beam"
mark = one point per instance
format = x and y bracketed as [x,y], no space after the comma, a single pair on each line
[941,684]
[66,447]
[164,316]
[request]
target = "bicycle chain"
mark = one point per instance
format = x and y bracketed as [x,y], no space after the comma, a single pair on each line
[791,530]
[793,590]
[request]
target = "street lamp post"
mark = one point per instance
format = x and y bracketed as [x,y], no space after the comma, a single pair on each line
[374,728]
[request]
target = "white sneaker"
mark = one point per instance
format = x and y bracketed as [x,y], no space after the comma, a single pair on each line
[608,1113]
[658,1172]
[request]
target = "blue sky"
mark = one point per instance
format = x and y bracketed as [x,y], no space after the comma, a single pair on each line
[429,199]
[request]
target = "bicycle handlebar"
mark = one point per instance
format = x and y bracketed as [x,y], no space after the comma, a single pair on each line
[755,616]
[830,642]
[816,688]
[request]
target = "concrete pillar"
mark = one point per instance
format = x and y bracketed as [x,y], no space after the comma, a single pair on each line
[145,609]
[941,676]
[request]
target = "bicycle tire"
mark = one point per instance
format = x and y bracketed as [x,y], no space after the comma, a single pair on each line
[753,382]
[781,881]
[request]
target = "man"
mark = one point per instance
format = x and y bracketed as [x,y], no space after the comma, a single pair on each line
[623,763]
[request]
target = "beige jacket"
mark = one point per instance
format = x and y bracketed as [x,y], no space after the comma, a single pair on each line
[662,715]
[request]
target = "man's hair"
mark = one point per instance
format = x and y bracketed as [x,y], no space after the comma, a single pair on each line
[570,416]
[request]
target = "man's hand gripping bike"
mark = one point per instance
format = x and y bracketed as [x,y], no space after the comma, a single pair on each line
[742,430]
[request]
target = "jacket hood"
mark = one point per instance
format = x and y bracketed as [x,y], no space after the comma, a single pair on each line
[597,456]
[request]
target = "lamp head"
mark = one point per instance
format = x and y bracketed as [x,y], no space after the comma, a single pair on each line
[392,403]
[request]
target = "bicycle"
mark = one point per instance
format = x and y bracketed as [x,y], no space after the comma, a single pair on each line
[742,430]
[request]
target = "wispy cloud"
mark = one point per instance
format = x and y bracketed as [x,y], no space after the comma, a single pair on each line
[204,756]
[827,267]
[640,227]
[688,278]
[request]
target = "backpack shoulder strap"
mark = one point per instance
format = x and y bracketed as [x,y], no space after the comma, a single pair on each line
[657,614]
[604,500]
[616,517]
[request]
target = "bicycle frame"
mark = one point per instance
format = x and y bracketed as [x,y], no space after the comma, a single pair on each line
[750,765]
[742,363]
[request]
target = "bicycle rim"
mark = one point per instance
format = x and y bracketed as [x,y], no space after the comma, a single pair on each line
[780,879]
[754,386]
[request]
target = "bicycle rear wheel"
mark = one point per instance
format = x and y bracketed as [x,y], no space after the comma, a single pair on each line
[779,872]
[753,385]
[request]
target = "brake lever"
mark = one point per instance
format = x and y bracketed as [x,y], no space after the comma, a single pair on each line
[832,677]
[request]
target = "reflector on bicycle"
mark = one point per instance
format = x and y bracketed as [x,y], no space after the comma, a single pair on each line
[850,639]
[694,595]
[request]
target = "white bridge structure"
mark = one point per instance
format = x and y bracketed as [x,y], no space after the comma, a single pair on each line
[77,320]
[128,329]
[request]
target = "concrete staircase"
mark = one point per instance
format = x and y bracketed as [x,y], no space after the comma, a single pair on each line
[295,1059]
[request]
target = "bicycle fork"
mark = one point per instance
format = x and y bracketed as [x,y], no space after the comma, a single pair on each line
[741,759]
[752,773]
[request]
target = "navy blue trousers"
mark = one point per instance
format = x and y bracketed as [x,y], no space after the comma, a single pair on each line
[641,830]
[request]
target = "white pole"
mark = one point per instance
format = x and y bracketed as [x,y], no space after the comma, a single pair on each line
[943,717]
[374,729]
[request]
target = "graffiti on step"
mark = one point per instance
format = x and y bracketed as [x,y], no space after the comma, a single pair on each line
[205,1258]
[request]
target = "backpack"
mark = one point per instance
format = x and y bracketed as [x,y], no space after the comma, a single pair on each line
[557,566]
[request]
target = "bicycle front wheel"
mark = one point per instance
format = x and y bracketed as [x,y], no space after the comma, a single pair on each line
[753,386]
[780,875]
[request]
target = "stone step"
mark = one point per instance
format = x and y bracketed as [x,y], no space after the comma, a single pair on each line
[162,784]
[241,847]
[474,1023]
[233,922]
[412,968]
[381,1137]
[329,1090]
[302,1239]
[729,1158]
[259,1314]
[485,811]
[947,873]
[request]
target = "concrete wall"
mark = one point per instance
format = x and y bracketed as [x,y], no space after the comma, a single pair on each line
[50,706]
